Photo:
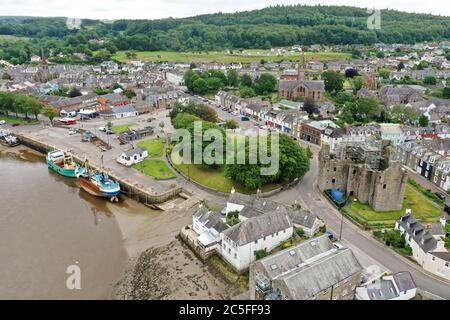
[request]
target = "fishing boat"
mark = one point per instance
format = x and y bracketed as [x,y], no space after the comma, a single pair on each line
[62,163]
[98,183]
[8,139]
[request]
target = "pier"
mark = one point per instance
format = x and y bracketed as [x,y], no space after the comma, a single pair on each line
[131,189]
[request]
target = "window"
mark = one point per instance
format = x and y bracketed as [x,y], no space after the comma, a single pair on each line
[433,258]
[256,241]
[447,264]
[333,180]
[235,255]
[384,186]
[334,169]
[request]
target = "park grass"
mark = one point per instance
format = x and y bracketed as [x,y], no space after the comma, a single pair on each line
[156,168]
[421,208]
[123,127]
[245,56]
[14,120]
[215,179]
[154,147]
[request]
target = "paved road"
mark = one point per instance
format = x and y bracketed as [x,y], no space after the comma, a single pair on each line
[367,249]
[355,238]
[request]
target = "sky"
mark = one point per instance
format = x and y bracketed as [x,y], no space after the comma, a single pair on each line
[154,9]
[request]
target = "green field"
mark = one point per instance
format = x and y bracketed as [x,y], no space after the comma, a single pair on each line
[154,147]
[123,127]
[421,207]
[246,56]
[4,37]
[156,168]
[214,178]
[12,120]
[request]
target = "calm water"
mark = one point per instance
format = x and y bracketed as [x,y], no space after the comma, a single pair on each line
[47,224]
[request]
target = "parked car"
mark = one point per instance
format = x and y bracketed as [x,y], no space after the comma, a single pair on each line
[440,195]
[2,122]
[73,131]
[102,129]
[109,131]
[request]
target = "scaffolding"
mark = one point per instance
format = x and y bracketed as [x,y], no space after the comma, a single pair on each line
[370,153]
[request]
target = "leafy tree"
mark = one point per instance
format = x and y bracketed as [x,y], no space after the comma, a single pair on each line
[294,163]
[334,81]
[74,92]
[246,92]
[357,83]
[367,109]
[400,66]
[232,78]
[231,124]
[184,120]
[200,86]
[430,80]
[446,93]
[351,73]
[423,121]
[265,84]
[384,73]
[380,54]
[310,106]
[49,112]
[129,93]
[246,80]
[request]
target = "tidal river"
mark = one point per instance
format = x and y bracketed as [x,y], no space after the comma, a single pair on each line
[48,224]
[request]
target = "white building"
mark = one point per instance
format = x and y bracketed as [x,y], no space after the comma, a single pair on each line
[132,156]
[429,253]
[240,243]
[399,286]
[393,133]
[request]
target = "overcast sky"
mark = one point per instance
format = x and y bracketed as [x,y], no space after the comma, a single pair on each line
[153,9]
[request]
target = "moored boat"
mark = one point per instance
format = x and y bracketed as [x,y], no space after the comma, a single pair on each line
[8,139]
[98,184]
[62,163]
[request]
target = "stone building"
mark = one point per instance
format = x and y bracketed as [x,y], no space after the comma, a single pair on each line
[312,270]
[365,170]
[291,87]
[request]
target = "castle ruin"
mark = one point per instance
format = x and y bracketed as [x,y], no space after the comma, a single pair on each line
[366,171]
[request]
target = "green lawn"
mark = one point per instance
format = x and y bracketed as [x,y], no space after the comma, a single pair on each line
[421,207]
[214,178]
[246,56]
[155,168]
[12,120]
[123,127]
[154,147]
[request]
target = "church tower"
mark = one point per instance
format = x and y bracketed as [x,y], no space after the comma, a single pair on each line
[301,74]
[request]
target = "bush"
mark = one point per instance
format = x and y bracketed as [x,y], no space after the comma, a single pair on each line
[261,254]
[233,218]
[300,232]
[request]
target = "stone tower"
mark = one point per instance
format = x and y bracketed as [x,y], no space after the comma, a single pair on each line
[364,171]
[301,74]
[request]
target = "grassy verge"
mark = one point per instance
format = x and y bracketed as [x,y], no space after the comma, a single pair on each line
[123,127]
[14,120]
[426,192]
[155,168]
[214,178]
[421,206]
[154,147]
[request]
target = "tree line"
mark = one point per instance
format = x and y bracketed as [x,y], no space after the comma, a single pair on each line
[15,104]
[270,27]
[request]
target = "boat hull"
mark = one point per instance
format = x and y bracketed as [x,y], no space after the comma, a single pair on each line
[62,171]
[87,185]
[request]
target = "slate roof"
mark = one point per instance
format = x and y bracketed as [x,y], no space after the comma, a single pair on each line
[132,152]
[442,255]
[310,267]
[417,232]
[258,227]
